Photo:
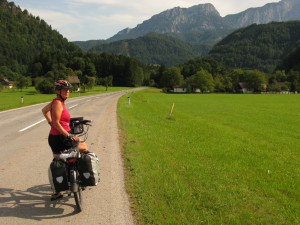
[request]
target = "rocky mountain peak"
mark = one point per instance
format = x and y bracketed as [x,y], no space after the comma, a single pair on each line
[284,10]
[204,17]
[176,20]
[202,9]
[291,1]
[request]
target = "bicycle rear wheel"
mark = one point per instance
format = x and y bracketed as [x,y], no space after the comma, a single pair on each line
[78,199]
[77,190]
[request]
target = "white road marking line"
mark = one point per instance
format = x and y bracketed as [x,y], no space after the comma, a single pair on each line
[24,107]
[31,125]
[73,106]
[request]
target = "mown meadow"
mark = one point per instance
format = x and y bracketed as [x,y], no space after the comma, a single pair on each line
[12,98]
[216,159]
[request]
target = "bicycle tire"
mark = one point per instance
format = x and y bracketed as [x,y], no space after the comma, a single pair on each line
[78,193]
[78,199]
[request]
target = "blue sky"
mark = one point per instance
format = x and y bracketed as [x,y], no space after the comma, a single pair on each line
[81,20]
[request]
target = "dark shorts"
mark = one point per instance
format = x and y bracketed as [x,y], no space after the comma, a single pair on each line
[58,143]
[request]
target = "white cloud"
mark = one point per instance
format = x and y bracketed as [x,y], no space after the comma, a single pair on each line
[54,18]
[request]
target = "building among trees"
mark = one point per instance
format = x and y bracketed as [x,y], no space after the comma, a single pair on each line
[74,80]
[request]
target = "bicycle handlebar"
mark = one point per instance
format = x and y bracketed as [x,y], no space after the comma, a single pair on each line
[78,125]
[85,122]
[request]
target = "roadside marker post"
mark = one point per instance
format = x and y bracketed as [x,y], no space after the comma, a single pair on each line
[128,98]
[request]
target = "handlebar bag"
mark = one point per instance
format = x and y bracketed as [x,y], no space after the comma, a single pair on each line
[76,125]
[58,175]
[89,169]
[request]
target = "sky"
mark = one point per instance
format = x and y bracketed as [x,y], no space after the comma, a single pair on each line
[82,20]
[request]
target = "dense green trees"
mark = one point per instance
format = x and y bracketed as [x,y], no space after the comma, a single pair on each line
[44,86]
[202,80]
[26,41]
[260,47]
[29,47]
[256,80]
[23,82]
[223,83]
[152,48]
[207,75]
[292,61]
[171,78]
[294,80]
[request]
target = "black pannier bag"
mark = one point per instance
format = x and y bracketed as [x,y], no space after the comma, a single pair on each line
[89,169]
[58,175]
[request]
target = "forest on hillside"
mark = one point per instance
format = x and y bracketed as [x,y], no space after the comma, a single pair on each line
[30,50]
[152,48]
[260,47]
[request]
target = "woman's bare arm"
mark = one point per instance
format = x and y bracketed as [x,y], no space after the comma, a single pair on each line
[46,112]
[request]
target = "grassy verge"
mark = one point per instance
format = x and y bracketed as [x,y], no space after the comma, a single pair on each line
[11,98]
[218,159]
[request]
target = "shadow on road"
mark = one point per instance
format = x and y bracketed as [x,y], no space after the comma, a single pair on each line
[34,203]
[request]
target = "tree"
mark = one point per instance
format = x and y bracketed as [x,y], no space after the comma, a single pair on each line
[8,73]
[256,80]
[107,81]
[171,77]
[278,87]
[77,63]
[278,76]
[135,74]
[219,84]
[23,82]
[90,69]
[44,86]
[294,79]
[60,71]
[91,82]
[155,74]
[37,69]
[212,66]
[202,80]
[228,84]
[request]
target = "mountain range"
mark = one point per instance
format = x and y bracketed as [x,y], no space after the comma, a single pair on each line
[197,29]
[178,21]
[285,10]
[205,18]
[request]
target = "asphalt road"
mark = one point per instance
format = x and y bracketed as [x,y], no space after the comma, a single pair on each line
[25,157]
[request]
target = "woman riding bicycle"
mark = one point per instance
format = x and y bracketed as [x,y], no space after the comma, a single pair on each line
[58,117]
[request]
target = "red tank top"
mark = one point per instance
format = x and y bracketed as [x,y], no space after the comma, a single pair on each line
[64,120]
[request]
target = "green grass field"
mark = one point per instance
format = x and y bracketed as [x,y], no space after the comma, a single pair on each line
[11,98]
[218,159]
